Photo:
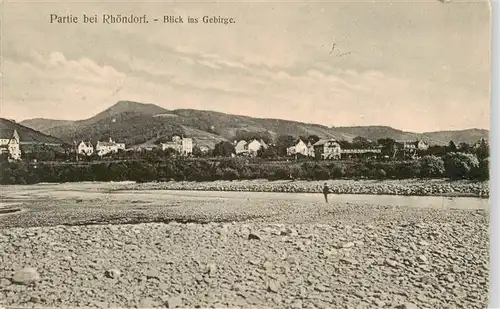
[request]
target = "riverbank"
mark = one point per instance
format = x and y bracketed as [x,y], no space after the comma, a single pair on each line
[95,245]
[432,263]
[416,187]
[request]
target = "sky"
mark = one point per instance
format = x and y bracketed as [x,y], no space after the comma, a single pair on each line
[414,65]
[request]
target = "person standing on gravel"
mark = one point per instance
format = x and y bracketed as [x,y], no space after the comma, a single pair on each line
[326,190]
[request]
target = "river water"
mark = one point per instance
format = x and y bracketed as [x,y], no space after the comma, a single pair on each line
[11,195]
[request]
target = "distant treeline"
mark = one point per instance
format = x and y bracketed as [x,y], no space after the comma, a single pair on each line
[454,165]
[276,150]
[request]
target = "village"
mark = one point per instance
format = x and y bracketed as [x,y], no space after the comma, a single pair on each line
[319,149]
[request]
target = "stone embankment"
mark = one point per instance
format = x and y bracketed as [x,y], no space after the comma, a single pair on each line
[385,187]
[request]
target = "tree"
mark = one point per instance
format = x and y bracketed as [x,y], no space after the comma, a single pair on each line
[451,147]
[436,150]
[283,142]
[197,151]
[345,144]
[483,172]
[249,136]
[431,166]
[483,151]
[312,139]
[460,165]
[170,152]
[270,152]
[361,142]
[4,157]
[389,146]
[224,149]
[464,147]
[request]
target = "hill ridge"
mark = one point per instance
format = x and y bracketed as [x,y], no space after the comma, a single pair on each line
[26,134]
[134,122]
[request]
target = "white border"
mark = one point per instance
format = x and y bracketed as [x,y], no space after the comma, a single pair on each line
[494,301]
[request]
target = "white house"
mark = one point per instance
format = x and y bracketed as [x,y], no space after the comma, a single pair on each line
[413,145]
[187,146]
[104,148]
[327,149]
[254,146]
[300,148]
[241,147]
[290,151]
[181,145]
[11,146]
[85,148]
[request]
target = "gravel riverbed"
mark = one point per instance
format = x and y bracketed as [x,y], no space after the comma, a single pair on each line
[243,265]
[387,187]
[261,254]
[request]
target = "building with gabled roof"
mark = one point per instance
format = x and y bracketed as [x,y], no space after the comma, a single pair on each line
[327,149]
[181,145]
[104,148]
[85,148]
[11,146]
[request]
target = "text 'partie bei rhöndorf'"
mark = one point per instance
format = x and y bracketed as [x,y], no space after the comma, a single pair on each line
[137,19]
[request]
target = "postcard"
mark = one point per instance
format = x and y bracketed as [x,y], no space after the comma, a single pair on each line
[245,154]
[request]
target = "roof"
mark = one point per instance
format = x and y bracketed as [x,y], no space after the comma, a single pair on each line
[87,144]
[323,141]
[373,150]
[107,144]
[410,142]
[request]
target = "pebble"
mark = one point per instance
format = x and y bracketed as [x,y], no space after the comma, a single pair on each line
[348,245]
[378,303]
[407,306]
[422,258]
[391,263]
[174,302]
[113,273]
[272,286]
[254,236]
[360,294]
[267,266]
[320,288]
[26,276]
[289,232]
[423,243]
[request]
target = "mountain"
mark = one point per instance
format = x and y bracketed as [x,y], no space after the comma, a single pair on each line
[42,124]
[137,123]
[469,136]
[374,133]
[26,135]
[377,132]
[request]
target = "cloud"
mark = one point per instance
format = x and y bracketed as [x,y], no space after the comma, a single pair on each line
[274,62]
[57,87]
[53,85]
[209,64]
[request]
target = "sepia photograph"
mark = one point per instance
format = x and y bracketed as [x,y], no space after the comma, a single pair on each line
[245,154]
